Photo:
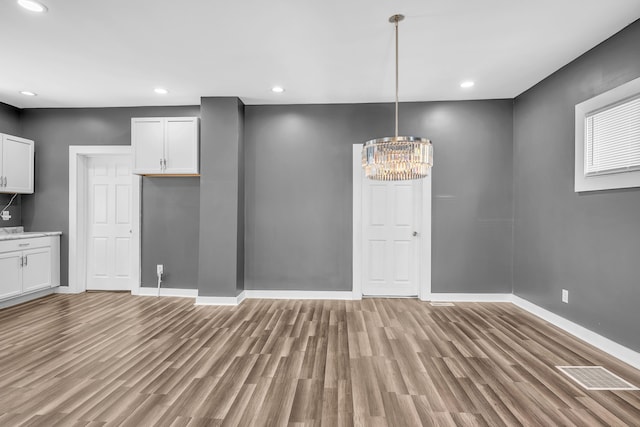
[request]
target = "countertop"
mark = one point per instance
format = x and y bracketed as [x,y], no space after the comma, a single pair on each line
[15,233]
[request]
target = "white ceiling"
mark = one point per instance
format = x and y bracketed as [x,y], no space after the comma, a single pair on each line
[86,53]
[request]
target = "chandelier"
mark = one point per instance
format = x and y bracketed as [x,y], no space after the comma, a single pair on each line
[397,158]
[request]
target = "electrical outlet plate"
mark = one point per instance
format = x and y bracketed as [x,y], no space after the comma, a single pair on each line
[5,215]
[565,296]
[160,269]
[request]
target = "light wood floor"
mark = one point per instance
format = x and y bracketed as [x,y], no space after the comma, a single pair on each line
[109,359]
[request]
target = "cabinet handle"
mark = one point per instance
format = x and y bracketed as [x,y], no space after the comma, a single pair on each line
[21,261]
[22,245]
[26,260]
[160,164]
[165,164]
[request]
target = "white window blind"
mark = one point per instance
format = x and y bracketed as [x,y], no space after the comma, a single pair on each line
[612,139]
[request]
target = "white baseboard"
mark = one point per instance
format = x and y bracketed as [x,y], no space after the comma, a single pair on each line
[332,295]
[454,297]
[27,297]
[168,292]
[65,290]
[242,296]
[221,300]
[616,350]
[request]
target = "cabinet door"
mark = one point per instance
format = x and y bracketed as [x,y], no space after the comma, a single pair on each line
[147,140]
[10,274]
[181,145]
[36,269]
[17,164]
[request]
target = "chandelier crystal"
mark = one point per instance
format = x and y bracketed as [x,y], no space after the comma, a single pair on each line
[397,158]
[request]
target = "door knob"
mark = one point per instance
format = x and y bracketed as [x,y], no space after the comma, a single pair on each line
[415,233]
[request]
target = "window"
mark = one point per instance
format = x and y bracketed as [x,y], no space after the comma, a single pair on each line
[608,140]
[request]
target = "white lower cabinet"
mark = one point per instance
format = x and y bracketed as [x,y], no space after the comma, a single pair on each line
[29,265]
[36,269]
[10,275]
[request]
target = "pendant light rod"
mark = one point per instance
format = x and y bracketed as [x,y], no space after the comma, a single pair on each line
[397,158]
[395,19]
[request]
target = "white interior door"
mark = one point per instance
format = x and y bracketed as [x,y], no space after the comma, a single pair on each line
[109,223]
[390,230]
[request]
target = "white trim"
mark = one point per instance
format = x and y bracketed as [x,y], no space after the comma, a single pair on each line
[167,292]
[357,221]
[616,350]
[601,182]
[220,300]
[425,240]
[455,297]
[424,269]
[315,295]
[27,297]
[78,155]
[242,296]
[65,290]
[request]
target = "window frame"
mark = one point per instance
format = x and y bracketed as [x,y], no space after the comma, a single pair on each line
[609,181]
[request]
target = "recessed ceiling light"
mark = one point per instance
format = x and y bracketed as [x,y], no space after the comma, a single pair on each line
[467,84]
[33,5]
[161,91]
[277,89]
[27,93]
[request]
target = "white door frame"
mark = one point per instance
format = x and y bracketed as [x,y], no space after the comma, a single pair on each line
[78,162]
[424,242]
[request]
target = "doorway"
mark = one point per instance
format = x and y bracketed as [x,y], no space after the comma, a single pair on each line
[391,236]
[104,219]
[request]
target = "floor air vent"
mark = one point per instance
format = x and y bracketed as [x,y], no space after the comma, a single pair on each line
[596,378]
[442,304]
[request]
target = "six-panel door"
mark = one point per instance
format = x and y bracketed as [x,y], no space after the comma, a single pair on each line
[109,225]
[391,212]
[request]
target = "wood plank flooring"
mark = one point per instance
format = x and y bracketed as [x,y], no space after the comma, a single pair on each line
[103,359]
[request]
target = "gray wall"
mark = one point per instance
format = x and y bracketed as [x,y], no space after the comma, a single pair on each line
[299,191]
[15,210]
[587,243]
[10,120]
[240,210]
[53,131]
[170,231]
[221,217]
[10,124]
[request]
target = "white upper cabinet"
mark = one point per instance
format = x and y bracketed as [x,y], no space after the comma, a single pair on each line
[16,165]
[147,140]
[165,145]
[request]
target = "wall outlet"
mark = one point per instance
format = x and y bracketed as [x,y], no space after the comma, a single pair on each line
[5,215]
[565,296]
[160,269]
